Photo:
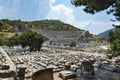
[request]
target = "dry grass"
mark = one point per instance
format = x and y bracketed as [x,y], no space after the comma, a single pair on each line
[7,34]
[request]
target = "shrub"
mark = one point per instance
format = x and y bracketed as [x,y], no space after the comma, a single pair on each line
[114,38]
[2,41]
[29,38]
[32,39]
[14,40]
[72,44]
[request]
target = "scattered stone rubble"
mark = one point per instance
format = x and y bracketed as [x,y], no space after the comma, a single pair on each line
[77,65]
[7,66]
[67,74]
[18,50]
[72,63]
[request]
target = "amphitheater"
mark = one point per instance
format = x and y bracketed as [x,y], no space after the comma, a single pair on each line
[64,38]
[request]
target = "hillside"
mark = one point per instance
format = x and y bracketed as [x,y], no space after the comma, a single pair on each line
[21,26]
[50,25]
[48,28]
[12,26]
[105,34]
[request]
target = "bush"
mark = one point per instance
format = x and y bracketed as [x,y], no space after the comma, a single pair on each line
[114,38]
[15,40]
[32,39]
[29,38]
[2,41]
[115,48]
[72,44]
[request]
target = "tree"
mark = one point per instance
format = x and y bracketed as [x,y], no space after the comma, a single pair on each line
[111,36]
[94,6]
[111,7]
[114,39]
[31,39]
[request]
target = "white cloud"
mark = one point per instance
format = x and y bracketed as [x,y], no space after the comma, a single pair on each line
[65,14]
[25,9]
[52,1]
[97,27]
[39,9]
[60,12]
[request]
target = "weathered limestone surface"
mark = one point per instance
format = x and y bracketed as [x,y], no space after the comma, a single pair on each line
[102,67]
[8,68]
[66,74]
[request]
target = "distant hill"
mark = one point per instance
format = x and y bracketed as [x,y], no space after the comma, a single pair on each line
[21,26]
[105,34]
[48,28]
[50,25]
[12,26]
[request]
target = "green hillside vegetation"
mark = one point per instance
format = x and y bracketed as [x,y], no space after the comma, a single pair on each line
[111,7]
[50,25]
[28,38]
[9,28]
[11,25]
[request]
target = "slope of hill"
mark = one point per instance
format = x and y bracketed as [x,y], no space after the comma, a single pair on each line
[60,33]
[21,26]
[12,26]
[50,25]
[49,28]
[105,34]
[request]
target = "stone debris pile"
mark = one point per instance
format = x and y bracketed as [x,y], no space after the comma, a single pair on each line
[18,50]
[70,66]
[73,65]
[51,61]
[7,67]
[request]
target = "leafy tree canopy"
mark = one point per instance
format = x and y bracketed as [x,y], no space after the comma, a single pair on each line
[15,40]
[31,39]
[112,7]
[93,6]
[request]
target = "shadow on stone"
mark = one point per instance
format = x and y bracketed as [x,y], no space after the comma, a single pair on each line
[46,74]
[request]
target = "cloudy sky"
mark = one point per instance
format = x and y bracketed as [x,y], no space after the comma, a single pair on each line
[29,10]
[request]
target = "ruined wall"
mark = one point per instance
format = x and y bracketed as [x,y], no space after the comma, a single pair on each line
[46,74]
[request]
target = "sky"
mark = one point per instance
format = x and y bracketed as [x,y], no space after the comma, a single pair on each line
[30,10]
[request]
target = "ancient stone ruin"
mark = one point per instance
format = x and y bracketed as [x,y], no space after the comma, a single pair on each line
[20,71]
[45,74]
[7,68]
[44,65]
